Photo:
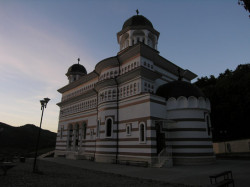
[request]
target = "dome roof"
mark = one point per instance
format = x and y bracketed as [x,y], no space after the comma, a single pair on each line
[137,20]
[179,88]
[76,69]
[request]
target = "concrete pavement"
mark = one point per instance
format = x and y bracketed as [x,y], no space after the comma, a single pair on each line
[189,175]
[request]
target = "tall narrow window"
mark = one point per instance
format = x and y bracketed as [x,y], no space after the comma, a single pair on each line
[98,129]
[84,131]
[128,129]
[108,127]
[142,132]
[70,133]
[77,135]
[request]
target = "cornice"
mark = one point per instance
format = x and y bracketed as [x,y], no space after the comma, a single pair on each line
[153,55]
[138,72]
[84,95]
[138,28]
[108,62]
[82,80]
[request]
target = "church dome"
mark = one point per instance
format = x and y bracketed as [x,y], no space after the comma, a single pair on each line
[179,88]
[76,69]
[137,20]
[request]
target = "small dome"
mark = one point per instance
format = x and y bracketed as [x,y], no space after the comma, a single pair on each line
[76,69]
[137,20]
[179,88]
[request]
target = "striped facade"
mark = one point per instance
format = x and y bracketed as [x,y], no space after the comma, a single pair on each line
[113,113]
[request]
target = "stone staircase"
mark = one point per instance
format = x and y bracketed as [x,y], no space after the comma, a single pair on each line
[164,158]
[47,154]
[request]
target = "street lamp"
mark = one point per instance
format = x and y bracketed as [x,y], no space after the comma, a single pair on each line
[44,103]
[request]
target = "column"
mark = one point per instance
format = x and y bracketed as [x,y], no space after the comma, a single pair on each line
[130,38]
[146,32]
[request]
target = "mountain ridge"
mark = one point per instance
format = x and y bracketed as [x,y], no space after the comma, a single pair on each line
[22,140]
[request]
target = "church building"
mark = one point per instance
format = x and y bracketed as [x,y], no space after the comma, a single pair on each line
[135,107]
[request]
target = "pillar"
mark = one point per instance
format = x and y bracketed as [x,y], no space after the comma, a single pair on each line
[146,32]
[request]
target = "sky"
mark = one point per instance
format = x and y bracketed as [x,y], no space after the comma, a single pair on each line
[41,39]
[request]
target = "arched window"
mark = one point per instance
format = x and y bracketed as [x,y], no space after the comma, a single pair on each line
[98,129]
[120,92]
[84,129]
[142,129]
[128,129]
[114,94]
[70,134]
[109,123]
[76,135]
[131,89]
[134,88]
[109,95]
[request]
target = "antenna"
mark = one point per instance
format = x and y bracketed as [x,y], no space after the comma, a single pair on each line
[78,60]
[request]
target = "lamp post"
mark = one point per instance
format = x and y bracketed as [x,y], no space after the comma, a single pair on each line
[44,103]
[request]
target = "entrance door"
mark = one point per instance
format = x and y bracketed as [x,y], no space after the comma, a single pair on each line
[160,138]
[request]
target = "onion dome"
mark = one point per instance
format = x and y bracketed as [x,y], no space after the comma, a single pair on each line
[76,69]
[179,88]
[137,20]
[75,72]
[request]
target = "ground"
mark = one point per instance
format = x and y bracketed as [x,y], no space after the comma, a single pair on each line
[65,172]
[55,174]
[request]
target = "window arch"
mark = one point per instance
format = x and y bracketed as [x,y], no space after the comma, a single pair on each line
[142,130]
[109,124]
[70,134]
[98,129]
[128,129]
[84,131]
[76,135]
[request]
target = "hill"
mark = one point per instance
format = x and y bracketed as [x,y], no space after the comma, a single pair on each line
[22,140]
[229,95]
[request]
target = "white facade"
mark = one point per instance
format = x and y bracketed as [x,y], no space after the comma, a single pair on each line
[114,113]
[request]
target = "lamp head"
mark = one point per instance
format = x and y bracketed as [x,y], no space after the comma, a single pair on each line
[46,100]
[42,102]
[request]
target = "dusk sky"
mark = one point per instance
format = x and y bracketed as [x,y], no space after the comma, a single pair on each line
[40,40]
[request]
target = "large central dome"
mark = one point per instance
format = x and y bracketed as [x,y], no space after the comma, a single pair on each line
[137,29]
[137,20]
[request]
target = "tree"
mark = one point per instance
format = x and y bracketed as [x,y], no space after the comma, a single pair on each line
[246,4]
[229,95]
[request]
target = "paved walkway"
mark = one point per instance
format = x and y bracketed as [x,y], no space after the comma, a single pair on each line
[189,175]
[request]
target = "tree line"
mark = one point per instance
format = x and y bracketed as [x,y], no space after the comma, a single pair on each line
[229,95]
